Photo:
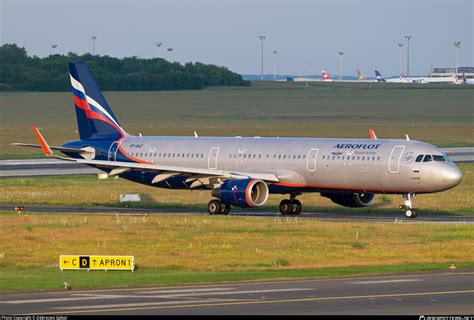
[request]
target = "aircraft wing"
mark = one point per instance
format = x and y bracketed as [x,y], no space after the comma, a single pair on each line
[165,169]
[198,175]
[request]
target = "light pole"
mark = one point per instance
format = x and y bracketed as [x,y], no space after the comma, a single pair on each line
[400,45]
[408,55]
[457,44]
[340,65]
[262,38]
[274,64]
[158,44]
[93,44]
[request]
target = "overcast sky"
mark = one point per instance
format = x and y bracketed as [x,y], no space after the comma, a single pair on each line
[305,33]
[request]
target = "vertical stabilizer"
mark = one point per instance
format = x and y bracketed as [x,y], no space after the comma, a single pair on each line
[95,119]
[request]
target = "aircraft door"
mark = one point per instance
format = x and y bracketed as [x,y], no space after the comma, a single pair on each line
[311,161]
[212,160]
[112,154]
[395,157]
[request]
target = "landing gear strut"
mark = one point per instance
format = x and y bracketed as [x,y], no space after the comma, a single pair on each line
[410,212]
[216,206]
[290,206]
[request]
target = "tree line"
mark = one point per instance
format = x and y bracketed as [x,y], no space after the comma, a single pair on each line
[19,71]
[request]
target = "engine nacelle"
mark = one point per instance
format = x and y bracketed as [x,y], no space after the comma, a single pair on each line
[243,193]
[351,200]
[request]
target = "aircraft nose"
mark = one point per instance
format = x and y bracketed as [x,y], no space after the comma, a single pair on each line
[452,176]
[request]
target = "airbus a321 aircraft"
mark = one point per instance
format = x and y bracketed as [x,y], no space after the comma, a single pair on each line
[242,172]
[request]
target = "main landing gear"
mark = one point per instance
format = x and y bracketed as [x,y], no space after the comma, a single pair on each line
[410,212]
[216,206]
[290,206]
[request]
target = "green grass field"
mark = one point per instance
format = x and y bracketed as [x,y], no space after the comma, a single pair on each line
[439,115]
[172,249]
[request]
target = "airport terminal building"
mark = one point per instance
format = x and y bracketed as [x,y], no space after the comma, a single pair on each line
[463,72]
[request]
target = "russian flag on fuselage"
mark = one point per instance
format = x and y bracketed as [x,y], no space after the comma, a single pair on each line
[95,119]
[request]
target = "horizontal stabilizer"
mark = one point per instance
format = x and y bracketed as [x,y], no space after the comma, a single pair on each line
[62,149]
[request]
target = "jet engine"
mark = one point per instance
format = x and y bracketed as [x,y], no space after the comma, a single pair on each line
[351,200]
[243,193]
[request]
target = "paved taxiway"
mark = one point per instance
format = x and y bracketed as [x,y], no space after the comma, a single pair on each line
[423,293]
[54,167]
[326,216]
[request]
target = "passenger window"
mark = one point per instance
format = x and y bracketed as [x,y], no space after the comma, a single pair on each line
[428,158]
[419,158]
[438,158]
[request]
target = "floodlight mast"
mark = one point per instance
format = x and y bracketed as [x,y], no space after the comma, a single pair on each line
[262,38]
[400,45]
[457,45]
[93,44]
[340,64]
[408,55]
[158,44]
[275,52]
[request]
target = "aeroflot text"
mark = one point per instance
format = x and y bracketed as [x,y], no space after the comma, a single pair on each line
[356,146]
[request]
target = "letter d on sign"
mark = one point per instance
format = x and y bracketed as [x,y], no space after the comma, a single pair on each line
[84,262]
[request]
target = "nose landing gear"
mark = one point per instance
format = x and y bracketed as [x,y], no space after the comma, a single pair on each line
[410,212]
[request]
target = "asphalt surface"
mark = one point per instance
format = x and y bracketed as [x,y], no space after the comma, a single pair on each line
[54,167]
[326,216]
[427,293]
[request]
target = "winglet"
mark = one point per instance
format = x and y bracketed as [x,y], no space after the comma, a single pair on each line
[372,134]
[44,145]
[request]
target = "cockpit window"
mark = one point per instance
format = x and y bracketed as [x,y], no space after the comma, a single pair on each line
[438,158]
[428,158]
[419,158]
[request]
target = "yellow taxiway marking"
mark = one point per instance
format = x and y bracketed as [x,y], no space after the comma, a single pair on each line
[265,302]
[248,282]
